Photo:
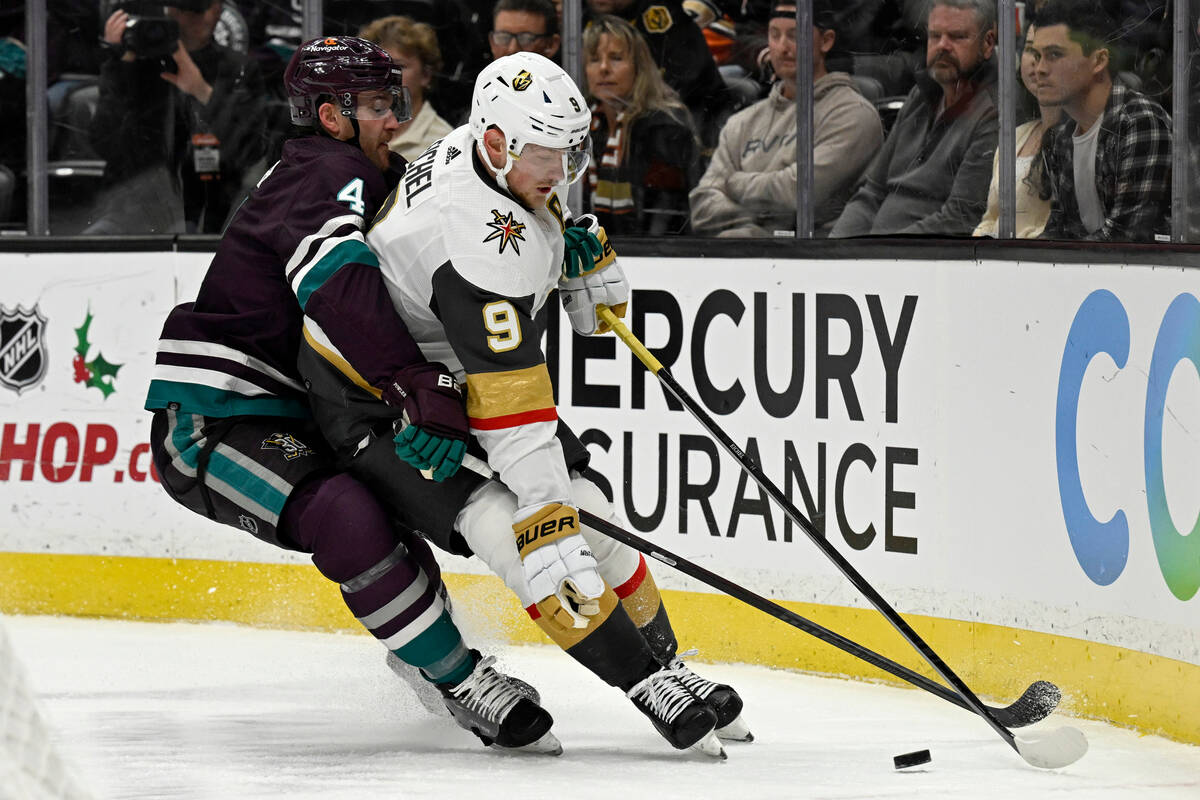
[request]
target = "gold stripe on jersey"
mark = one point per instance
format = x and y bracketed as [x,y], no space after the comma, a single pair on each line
[319,342]
[508,399]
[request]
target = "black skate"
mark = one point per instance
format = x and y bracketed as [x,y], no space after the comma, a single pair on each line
[722,699]
[428,692]
[492,706]
[680,716]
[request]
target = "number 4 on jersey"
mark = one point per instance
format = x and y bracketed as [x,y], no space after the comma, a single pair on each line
[352,194]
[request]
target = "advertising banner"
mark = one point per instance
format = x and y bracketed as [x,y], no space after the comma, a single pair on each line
[1011,443]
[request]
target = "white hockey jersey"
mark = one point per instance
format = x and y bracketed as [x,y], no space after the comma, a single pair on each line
[468,267]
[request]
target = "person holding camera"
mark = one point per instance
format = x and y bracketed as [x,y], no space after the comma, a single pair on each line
[179,121]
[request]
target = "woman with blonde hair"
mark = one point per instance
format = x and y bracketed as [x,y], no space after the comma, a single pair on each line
[645,157]
[413,46]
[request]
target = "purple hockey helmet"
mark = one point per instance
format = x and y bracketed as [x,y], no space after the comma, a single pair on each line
[341,67]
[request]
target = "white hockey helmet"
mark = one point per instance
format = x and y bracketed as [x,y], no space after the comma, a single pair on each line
[533,101]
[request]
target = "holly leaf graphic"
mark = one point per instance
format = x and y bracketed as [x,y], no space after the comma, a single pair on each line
[81,333]
[103,374]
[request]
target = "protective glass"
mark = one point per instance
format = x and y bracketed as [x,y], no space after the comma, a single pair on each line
[569,162]
[378,104]
[505,38]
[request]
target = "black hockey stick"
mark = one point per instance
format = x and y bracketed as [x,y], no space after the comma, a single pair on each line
[1052,750]
[1034,705]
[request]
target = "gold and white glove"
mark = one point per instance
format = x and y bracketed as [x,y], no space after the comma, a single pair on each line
[559,566]
[604,283]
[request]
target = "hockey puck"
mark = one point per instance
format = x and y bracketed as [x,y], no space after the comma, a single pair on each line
[913,759]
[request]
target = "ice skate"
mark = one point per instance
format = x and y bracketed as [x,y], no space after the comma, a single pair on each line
[680,716]
[495,708]
[722,699]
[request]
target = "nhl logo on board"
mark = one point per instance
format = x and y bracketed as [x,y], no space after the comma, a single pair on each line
[22,347]
[523,81]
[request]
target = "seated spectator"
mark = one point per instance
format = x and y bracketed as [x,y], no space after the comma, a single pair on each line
[644,153]
[931,176]
[1032,209]
[1108,164]
[459,40]
[178,132]
[413,46]
[524,25]
[749,188]
[681,52]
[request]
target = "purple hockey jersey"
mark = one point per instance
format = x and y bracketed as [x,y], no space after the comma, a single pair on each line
[294,250]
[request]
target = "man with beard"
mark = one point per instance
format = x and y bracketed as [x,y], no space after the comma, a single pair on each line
[932,175]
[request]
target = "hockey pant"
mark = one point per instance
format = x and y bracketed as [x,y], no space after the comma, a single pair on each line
[631,633]
[274,477]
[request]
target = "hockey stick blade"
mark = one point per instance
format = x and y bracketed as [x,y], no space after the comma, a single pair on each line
[1052,749]
[1037,703]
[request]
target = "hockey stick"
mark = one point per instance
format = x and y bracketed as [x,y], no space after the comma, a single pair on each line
[1051,750]
[1037,702]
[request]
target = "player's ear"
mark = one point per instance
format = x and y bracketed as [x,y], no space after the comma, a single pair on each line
[329,116]
[493,142]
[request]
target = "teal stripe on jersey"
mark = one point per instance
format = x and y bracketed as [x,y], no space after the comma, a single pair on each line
[246,482]
[182,437]
[351,251]
[434,645]
[196,398]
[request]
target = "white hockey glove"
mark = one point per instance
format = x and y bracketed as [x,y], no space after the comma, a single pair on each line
[604,284]
[559,566]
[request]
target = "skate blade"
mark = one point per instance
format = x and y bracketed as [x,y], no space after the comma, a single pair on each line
[548,745]
[736,731]
[710,746]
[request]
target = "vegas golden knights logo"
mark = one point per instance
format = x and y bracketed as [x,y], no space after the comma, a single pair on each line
[523,80]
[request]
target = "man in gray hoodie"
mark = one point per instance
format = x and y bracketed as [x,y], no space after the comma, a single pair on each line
[749,188]
[932,175]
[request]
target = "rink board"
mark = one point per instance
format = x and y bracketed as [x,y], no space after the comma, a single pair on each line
[921,412]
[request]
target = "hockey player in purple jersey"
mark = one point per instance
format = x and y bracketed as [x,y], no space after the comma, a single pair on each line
[232,435]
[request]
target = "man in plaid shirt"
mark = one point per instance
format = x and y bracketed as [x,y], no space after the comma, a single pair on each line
[1108,164]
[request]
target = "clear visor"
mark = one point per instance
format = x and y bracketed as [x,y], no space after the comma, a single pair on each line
[380,103]
[559,164]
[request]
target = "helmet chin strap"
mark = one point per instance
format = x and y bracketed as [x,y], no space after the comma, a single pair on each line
[354,139]
[501,179]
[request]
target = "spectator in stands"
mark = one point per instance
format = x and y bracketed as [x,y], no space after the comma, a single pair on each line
[177,132]
[749,188]
[931,176]
[414,46]
[1032,209]
[644,152]
[524,25]
[680,51]
[1108,164]
[460,41]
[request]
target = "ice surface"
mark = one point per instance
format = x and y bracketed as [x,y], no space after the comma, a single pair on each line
[219,711]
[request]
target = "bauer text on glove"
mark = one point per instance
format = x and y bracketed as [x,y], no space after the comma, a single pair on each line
[559,567]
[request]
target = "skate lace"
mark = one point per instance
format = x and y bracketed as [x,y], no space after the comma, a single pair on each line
[700,686]
[488,692]
[664,693]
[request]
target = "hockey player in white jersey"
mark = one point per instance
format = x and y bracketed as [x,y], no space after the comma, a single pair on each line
[471,244]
